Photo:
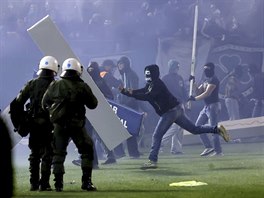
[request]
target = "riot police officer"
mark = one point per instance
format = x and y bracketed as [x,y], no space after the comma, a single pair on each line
[40,131]
[66,100]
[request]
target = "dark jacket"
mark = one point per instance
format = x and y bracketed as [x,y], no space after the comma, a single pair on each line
[213,97]
[175,84]
[100,82]
[110,79]
[156,93]
[34,91]
[76,94]
[130,80]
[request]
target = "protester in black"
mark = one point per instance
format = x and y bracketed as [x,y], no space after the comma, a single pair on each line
[175,83]
[93,70]
[130,81]
[208,91]
[169,110]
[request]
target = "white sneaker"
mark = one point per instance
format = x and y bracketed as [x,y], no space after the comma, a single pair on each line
[207,151]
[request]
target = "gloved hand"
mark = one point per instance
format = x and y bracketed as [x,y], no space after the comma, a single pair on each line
[191,78]
[191,98]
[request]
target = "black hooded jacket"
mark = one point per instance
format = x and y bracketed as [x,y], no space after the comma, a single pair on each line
[74,91]
[34,91]
[130,80]
[99,81]
[155,92]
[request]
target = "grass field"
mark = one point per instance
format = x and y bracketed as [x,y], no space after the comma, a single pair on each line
[240,173]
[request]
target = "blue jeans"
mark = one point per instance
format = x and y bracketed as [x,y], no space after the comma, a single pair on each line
[209,115]
[175,115]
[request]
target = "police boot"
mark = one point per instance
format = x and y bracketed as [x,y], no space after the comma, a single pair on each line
[58,182]
[87,183]
[34,179]
[44,182]
[34,187]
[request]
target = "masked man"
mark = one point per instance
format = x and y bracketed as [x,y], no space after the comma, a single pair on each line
[169,109]
[208,91]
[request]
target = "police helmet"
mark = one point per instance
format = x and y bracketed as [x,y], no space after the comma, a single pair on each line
[71,64]
[50,63]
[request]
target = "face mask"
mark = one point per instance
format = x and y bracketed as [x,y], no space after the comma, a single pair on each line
[148,76]
[209,73]
[91,71]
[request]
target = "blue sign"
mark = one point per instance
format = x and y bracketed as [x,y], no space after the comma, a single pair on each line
[130,118]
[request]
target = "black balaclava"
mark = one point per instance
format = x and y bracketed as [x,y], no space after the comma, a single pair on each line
[151,73]
[94,70]
[209,70]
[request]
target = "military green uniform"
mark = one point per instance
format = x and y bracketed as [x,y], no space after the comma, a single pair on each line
[74,95]
[40,131]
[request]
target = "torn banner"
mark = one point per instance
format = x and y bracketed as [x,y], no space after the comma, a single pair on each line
[130,118]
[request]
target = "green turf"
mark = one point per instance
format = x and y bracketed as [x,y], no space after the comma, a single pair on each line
[240,173]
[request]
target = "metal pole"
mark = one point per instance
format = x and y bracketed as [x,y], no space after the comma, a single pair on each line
[193,52]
